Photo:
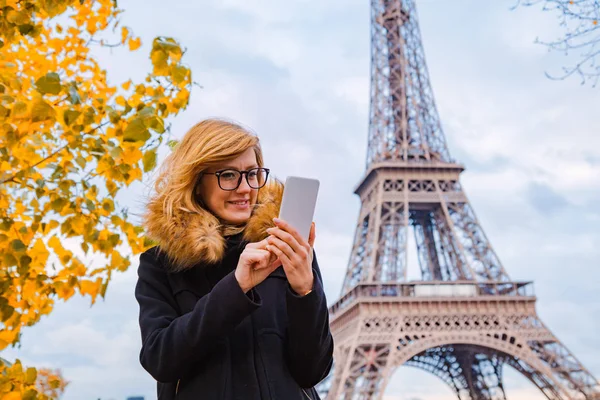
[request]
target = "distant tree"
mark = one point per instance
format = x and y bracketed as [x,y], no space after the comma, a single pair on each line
[579,20]
[69,142]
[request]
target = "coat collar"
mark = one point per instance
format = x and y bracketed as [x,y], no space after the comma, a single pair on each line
[192,238]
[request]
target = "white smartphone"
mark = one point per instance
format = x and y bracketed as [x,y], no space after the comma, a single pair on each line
[298,203]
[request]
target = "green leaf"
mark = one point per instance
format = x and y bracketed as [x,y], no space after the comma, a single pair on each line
[179,73]
[25,29]
[157,124]
[136,131]
[116,152]
[166,44]
[18,245]
[4,112]
[58,204]
[50,83]
[71,116]
[80,161]
[74,97]
[149,160]
[172,144]
[90,205]
[8,260]
[25,261]
[42,111]
[6,311]
[30,394]
[19,109]
[146,112]
[113,115]
[112,188]
[88,115]
[6,224]
[30,376]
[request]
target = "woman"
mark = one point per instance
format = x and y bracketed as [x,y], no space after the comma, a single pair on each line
[231,300]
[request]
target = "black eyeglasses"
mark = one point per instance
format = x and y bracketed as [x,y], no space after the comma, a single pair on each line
[230,179]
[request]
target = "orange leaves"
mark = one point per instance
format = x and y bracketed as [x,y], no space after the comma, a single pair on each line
[7,337]
[73,141]
[63,254]
[131,155]
[41,111]
[20,383]
[90,288]
[39,254]
[118,262]
[124,34]
[50,382]
[135,44]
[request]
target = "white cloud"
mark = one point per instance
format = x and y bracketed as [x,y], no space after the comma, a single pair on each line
[297,72]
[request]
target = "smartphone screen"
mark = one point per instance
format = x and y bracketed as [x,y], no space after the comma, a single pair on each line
[298,203]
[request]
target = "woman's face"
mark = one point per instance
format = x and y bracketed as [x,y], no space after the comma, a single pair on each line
[232,206]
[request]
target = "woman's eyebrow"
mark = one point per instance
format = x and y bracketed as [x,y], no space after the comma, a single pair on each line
[232,167]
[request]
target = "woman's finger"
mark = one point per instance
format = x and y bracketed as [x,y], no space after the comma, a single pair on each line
[280,254]
[257,245]
[291,230]
[259,258]
[283,246]
[312,235]
[286,237]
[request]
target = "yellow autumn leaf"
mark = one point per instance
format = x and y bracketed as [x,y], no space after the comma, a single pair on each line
[51,226]
[56,245]
[7,337]
[131,155]
[78,224]
[118,262]
[64,291]
[11,395]
[56,96]
[134,175]
[78,268]
[135,44]
[124,34]
[91,288]
[28,291]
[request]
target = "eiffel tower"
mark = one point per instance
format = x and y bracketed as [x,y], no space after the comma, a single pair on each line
[465,319]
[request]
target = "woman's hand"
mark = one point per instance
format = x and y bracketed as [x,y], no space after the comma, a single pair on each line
[294,253]
[254,265]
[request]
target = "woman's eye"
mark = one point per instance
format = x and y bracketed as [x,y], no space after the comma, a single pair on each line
[252,175]
[228,175]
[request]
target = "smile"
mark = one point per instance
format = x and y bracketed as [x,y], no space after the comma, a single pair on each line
[240,204]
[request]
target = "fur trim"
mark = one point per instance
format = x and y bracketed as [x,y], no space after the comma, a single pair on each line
[191,238]
[267,207]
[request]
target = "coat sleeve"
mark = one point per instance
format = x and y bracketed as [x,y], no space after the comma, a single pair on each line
[309,340]
[173,344]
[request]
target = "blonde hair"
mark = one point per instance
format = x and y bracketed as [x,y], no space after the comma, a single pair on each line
[208,143]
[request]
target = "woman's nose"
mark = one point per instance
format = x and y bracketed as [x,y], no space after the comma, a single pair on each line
[244,187]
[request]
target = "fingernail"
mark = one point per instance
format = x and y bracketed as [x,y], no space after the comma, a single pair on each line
[276,220]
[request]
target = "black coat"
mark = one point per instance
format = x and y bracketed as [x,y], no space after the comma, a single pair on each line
[203,338]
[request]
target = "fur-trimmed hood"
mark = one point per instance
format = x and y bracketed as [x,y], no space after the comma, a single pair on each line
[191,238]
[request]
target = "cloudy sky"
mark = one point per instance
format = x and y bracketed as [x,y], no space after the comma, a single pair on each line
[297,72]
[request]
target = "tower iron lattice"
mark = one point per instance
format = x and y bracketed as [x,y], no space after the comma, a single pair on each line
[465,318]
